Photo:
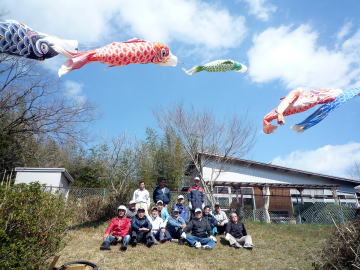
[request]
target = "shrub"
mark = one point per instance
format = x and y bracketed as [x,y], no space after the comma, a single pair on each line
[342,248]
[32,226]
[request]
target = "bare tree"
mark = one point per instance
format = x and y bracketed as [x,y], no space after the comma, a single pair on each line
[354,171]
[31,103]
[201,133]
[119,160]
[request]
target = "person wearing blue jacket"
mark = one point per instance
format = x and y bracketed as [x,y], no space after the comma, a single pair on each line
[183,209]
[141,229]
[162,193]
[196,196]
[211,219]
[175,225]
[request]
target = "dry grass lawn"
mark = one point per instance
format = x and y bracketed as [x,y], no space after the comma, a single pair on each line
[277,246]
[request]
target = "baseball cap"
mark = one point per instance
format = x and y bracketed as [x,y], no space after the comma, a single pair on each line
[140,209]
[132,202]
[122,207]
[154,208]
[196,178]
[217,204]
[180,197]
[197,210]
[160,201]
[176,209]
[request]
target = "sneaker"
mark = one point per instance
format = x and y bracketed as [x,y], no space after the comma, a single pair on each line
[213,238]
[236,245]
[149,243]
[133,242]
[105,246]
[183,235]
[175,240]
[123,247]
[163,240]
[206,247]
[197,244]
[248,246]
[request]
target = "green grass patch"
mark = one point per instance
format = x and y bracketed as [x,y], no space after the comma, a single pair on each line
[277,246]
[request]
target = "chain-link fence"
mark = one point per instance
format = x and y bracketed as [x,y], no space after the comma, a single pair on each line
[282,207]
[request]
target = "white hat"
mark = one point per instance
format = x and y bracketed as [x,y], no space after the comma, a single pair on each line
[159,201]
[122,207]
[132,202]
[197,210]
[197,178]
[180,197]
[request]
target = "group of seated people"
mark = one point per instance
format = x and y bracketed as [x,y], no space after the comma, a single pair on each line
[133,225]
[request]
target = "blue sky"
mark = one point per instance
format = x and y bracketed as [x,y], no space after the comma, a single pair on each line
[285,44]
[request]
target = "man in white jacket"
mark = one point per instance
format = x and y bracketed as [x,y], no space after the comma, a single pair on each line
[142,197]
[158,231]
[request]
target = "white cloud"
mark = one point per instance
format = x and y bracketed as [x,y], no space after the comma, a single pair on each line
[73,90]
[334,160]
[92,22]
[295,57]
[260,9]
[344,31]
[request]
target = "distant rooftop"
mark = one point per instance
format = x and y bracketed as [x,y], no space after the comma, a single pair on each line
[49,170]
[251,163]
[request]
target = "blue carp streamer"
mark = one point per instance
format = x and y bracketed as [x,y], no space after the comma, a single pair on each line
[324,110]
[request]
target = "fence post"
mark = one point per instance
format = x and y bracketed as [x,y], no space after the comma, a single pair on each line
[299,212]
[254,205]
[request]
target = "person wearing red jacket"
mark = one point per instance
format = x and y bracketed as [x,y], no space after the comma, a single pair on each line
[117,231]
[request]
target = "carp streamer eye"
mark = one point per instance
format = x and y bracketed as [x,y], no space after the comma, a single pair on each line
[163,52]
[44,48]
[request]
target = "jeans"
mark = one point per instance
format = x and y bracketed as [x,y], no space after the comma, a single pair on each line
[191,239]
[160,236]
[111,238]
[141,237]
[175,234]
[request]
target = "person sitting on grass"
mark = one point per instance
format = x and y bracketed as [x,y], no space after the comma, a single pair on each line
[163,212]
[141,229]
[236,233]
[201,233]
[117,231]
[221,218]
[131,211]
[184,210]
[175,226]
[158,230]
[211,219]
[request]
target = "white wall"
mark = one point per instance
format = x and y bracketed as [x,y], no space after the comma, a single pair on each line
[239,173]
[47,178]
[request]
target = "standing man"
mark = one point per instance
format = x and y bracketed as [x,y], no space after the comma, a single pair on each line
[162,192]
[117,231]
[131,211]
[201,234]
[141,229]
[196,196]
[175,225]
[142,197]
[183,209]
[236,233]
[221,218]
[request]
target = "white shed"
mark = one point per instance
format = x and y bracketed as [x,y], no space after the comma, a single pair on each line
[53,178]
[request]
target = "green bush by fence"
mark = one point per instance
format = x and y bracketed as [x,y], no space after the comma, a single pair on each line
[32,225]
